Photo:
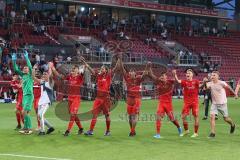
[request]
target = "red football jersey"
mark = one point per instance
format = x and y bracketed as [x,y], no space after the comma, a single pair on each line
[133,85]
[17,87]
[15,84]
[190,91]
[103,84]
[74,84]
[165,91]
[20,93]
[36,90]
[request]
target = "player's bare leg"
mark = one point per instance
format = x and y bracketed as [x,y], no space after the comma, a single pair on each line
[130,121]
[108,123]
[70,125]
[38,120]
[78,123]
[196,126]
[19,119]
[133,123]
[92,125]
[185,125]
[175,122]
[230,121]
[212,125]
[73,119]
[22,116]
[158,126]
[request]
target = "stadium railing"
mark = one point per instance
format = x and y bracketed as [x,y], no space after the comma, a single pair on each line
[188,61]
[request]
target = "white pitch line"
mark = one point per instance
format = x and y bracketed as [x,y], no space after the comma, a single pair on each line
[34,157]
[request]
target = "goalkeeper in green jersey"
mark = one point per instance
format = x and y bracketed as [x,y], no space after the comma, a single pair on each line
[27,86]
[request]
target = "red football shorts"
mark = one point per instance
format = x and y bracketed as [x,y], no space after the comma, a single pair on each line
[188,107]
[74,104]
[165,107]
[133,105]
[35,103]
[19,103]
[101,105]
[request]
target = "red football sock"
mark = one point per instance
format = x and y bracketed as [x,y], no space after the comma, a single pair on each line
[185,125]
[18,116]
[108,122]
[77,121]
[175,122]
[196,128]
[158,126]
[93,123]
[71,122]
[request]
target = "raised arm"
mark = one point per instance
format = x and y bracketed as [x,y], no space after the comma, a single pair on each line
[231,90]
[51,80]
[146,70]
[117,66]
[55,72]
[87,65]
[152,76]
[15,66]
[28,61]
[121,66]
[175,76]
[204,84]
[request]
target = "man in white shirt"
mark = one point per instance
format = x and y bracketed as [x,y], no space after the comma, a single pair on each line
[219,101]
[45,100]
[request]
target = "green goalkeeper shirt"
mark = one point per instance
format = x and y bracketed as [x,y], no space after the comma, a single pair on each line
[27,80]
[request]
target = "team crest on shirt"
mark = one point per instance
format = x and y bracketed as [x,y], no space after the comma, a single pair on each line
[73,81]
[191,85]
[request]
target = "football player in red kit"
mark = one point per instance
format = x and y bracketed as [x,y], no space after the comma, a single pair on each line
[102,103]
[190,97]
[164,88]
[37,94]
[17,89]
[133,83]
[74,81]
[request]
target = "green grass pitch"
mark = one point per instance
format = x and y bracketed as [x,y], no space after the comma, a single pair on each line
[119,146]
